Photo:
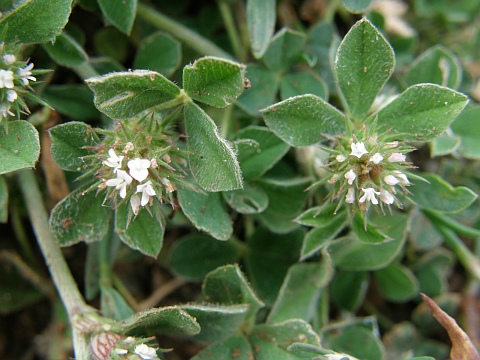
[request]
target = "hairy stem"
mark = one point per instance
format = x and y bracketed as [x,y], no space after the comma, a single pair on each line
[453,224]
[182,33]
[226,12]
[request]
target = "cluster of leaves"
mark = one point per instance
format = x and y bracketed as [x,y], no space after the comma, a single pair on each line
[285,273]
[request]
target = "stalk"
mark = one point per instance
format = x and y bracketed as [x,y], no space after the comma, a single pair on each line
[182,33]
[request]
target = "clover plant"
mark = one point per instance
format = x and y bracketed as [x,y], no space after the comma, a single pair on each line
[255,186]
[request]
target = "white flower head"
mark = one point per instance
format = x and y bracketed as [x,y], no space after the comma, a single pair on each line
[26,74]
[350,176]
[391,180]
[376,158]
[11,95]
[147,191]
[369,195]
[139,168]
[386,197]
[9,59]
[6,79]
[135,203]
[120,183]
[146,352]
[358,149]
[5,110]
[403,178]
[397,157]
[340,158]
[350,198]
[114,160]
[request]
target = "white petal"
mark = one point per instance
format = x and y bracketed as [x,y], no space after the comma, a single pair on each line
[376,158]
[350,176]
[358,149]
[123,190]
[340,158]
[397,157]
[350,198]
[391,180]
[113,182]
[135,204]
[386,197]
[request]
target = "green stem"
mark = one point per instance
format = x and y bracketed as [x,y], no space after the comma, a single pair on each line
[226,12]
[22,238]
[85,70]
[226,122]
[469,261]
[61,275]
[182,33]
[452,224]
[331,10]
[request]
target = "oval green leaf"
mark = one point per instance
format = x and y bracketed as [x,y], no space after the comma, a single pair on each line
[66,51]
[261,16]
[252,199]
[120,14]
[364,63]
[397,283]
[19,146]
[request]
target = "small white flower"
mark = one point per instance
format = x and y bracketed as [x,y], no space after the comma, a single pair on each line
[168,185]
[397,157]
[11,95]
[135,203]
[9,59]
[6,79]
[139,168]
[146,352]
[386,197]
[376,158]
[341,158]
[350,176]
[114,160]
[403,178]
[120,183]
[369,196]
[350,198]
[391,180]
[153,163]
[121,351]
[358,149]
[5,110]
[26,74]
[147,191]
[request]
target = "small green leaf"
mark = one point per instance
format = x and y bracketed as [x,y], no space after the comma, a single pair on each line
[19,146]
[227,285]
[171,320]
[261,16]
[284,49]
[158,52]
[235,347]
[286,200]
[271,341]
[263,90]
[445,144]
[368,233]
[73,100]
[351,254]
[145,232]
[295,84]
[208,255]
[348,289]
[214,81]
[357,6]
[467,126]
[120,14]
[359,342]
[35,21]
[320,216]
[270,150]
[3,201]
[302,120]
[397,283]
[69,142]
[364,63]
[217,322]
[80,217]
[252,199]
[301,290]
[207,212]
[212,161]
[268,259]
[439,196]
[66,51]
[422,112]
[113,305]
[437,65]
[126,94]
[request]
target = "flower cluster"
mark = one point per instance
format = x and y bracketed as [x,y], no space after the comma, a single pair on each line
[134,176]
[15,78]
[113,346]
[366,170]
